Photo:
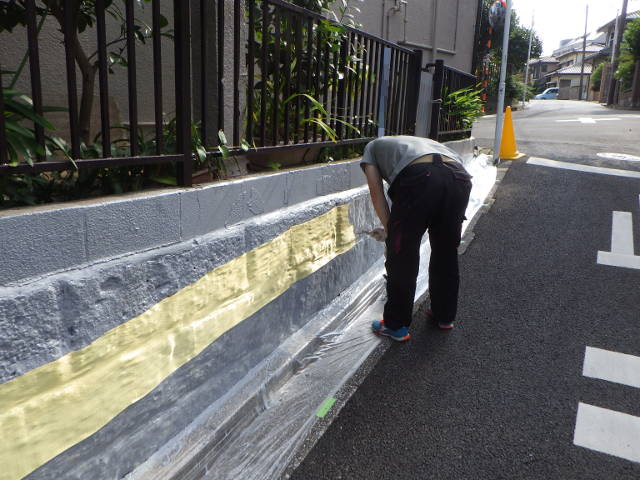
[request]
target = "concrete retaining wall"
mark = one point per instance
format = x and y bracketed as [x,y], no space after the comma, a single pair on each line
[43,241]
[76,276]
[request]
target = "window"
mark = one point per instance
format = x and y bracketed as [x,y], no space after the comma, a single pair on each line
[545,68]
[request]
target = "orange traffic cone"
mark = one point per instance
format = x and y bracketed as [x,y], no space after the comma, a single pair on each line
[508,147]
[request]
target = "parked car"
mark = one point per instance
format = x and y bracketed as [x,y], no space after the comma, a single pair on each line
[548,94]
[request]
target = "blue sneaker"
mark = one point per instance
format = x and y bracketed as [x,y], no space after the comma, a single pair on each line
[400,335]
[441,325]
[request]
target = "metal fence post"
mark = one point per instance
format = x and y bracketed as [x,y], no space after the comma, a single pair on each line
[4,145]
[342,87]
[413,91]
[183,92]
[438,77]
[383,92]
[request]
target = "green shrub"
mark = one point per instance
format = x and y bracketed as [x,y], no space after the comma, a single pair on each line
[464,103]
[596,77]
[631,39]
[629,54]
[625,70]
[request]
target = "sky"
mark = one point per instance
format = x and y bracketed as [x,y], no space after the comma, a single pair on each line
[556,20]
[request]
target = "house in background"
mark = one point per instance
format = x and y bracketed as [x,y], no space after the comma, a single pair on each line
[568,69]
[538,69]
[567,79]
[609,29]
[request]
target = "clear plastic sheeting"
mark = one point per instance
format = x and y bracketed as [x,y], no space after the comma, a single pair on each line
[260,438]
[265,448]
[484,178]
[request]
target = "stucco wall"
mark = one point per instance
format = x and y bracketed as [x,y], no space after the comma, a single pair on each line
[412,24]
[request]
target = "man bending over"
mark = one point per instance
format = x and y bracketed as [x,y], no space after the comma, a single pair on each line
[429,190]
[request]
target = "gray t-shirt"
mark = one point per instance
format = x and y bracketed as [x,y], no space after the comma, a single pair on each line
[391,154]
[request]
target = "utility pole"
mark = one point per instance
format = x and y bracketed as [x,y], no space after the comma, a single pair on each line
[620,24]
[526,70]
[584,54]
[615,35]
[501,88]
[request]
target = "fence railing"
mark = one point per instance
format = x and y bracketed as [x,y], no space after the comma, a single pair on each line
[77,64]
[446,125]
[296,79]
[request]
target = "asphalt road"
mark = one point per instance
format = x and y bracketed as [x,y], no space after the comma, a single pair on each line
[504,395]
[563,130]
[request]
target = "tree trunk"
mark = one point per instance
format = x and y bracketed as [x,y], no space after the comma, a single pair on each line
[86,105]
[88,71]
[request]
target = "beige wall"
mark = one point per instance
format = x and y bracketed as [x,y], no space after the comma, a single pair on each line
[412,24]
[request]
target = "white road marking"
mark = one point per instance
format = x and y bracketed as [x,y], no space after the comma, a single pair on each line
[582,168]
[608,431]
[612,366]
[617,260]
[622,250]
[619,156]
[622,233]
[591,120]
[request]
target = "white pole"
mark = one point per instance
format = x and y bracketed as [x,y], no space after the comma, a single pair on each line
[526,70]
[501,87]
[584,54]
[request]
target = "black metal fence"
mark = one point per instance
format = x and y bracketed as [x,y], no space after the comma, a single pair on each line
[297,79]
[445,124]
[68,14]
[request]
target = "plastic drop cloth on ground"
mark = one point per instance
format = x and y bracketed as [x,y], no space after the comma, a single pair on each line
[261,439]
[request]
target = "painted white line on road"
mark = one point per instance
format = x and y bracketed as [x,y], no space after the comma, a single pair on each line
[622,251]
[617,260]
[590,120]
[612,366]
[582,168]
[608,431]
[625,157]
[622,233]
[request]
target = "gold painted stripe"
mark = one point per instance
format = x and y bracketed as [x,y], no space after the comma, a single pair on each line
[53,407]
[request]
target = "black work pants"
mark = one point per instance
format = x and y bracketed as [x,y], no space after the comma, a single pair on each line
[431,196]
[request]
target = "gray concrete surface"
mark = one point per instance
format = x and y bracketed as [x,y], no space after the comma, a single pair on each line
[145,426]
[45,240]
[42,241]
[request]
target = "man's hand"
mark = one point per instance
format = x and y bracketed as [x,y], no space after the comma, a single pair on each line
[380,234]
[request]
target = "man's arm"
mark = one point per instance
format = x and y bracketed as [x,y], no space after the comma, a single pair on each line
[376,191]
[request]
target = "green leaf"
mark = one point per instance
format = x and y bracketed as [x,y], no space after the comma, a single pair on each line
[316,104]
[331,133]
[202,154]
[224,150]
[222,137]
[348,125]
[244,145]
[165,180]
[19,129]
